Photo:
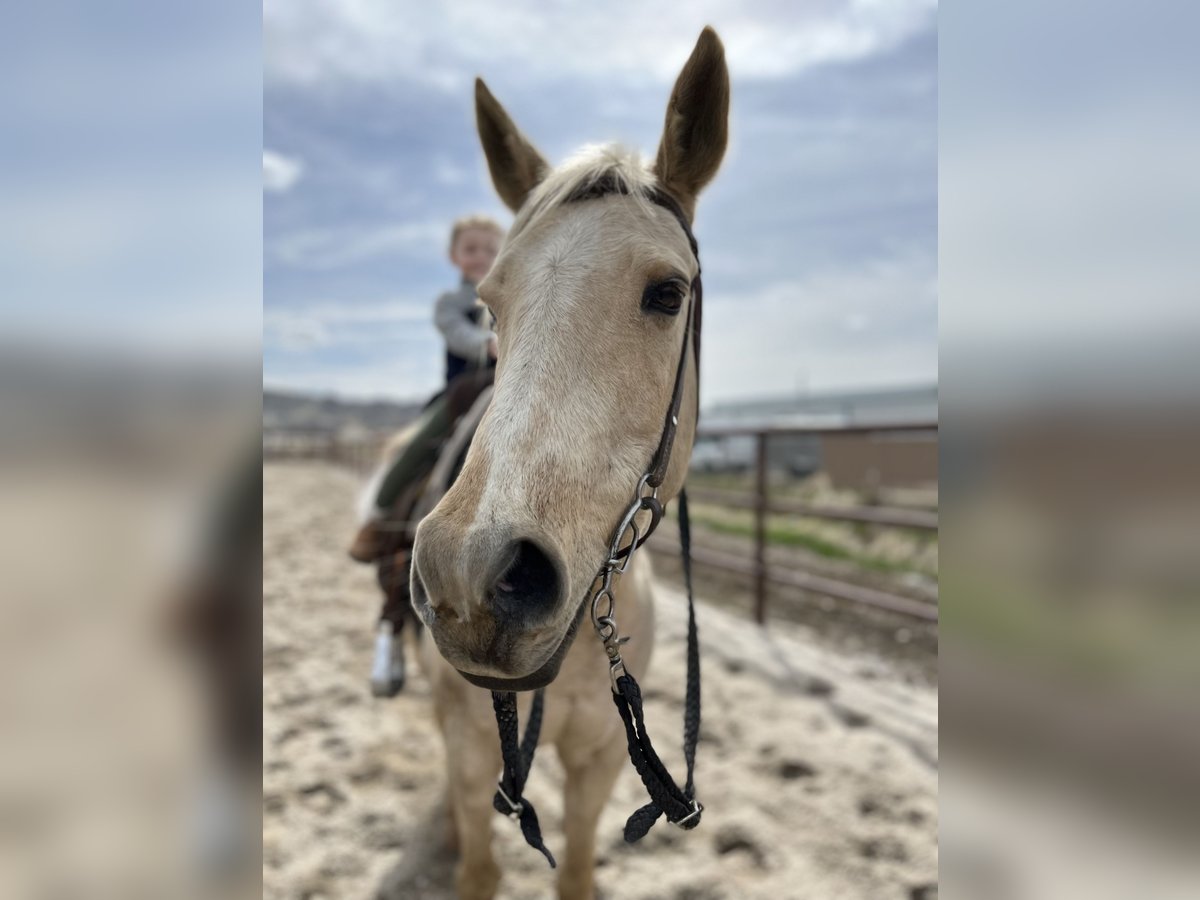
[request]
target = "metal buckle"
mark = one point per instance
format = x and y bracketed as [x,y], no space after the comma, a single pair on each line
[697,808]
[515,809]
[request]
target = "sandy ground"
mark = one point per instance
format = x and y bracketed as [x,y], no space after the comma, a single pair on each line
[818,770]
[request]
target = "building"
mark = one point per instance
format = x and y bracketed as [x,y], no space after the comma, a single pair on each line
[862,461]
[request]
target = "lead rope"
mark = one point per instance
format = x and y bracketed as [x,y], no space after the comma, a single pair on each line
[517,763]
[680,806]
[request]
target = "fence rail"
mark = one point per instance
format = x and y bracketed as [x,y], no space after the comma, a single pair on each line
[790,430]
[797,578]
[925,520]
[359,454]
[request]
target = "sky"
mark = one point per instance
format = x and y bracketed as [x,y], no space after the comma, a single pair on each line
[818,237]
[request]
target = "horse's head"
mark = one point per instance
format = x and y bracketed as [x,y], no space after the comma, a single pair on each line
[591,293]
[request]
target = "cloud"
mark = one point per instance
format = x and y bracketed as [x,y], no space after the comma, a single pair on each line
[858,325]
[855,325]
[444,45]
[332,248]
[1072,232]
[338,325]
[280,173]
[447,172]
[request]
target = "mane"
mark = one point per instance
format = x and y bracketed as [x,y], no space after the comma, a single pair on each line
[593,170]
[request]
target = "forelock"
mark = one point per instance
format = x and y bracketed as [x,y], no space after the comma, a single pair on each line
[593,171]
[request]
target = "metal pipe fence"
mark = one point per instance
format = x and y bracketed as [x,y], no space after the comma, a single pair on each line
[760,502]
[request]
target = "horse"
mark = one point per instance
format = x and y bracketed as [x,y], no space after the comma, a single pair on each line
[590,293]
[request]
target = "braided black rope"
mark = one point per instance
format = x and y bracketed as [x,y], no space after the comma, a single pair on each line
[679,806]
[517,762]
[691,713]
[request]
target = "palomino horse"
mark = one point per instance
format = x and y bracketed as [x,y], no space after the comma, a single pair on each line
[588,292]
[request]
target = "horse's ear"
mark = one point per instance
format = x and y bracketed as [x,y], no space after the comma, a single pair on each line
[515,165]
[697,124]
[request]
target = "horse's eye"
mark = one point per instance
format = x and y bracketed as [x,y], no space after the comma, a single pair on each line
[664,297]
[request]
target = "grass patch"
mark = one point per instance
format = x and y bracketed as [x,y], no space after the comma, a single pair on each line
[783,533]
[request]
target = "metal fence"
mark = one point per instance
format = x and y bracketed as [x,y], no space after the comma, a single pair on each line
[762,504]
[360,453]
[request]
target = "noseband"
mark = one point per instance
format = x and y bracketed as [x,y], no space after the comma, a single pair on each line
[680,806]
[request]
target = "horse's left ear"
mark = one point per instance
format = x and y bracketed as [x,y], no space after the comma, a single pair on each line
[697,124]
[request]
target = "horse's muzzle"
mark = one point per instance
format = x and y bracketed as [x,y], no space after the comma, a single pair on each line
[545,674]
[494,607]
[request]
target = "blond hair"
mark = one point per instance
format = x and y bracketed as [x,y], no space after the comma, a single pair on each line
[476,220]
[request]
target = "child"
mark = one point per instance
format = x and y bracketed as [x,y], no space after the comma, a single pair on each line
[470,346]
[470,355]
[474,243]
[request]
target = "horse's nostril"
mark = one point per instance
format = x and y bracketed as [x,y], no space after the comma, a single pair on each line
[530,585]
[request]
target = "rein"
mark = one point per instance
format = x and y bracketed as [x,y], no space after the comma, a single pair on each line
[666,798]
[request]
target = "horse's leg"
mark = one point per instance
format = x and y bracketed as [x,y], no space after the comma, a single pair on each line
[473,763]
[588,786]
[439,714]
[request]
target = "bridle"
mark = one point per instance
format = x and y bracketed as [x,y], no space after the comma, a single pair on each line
[666,798]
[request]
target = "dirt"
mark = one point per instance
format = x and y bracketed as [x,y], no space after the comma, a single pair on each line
[906,645]
[817,766]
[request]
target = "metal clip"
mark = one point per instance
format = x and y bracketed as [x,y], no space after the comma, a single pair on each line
[645,499]
[697,808]
[515,809]
[612,673]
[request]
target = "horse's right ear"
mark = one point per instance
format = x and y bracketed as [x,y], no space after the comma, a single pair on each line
[697,124]
[516,166]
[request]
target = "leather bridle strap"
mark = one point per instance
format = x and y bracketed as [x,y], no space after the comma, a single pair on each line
[661,460]
[662,455]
